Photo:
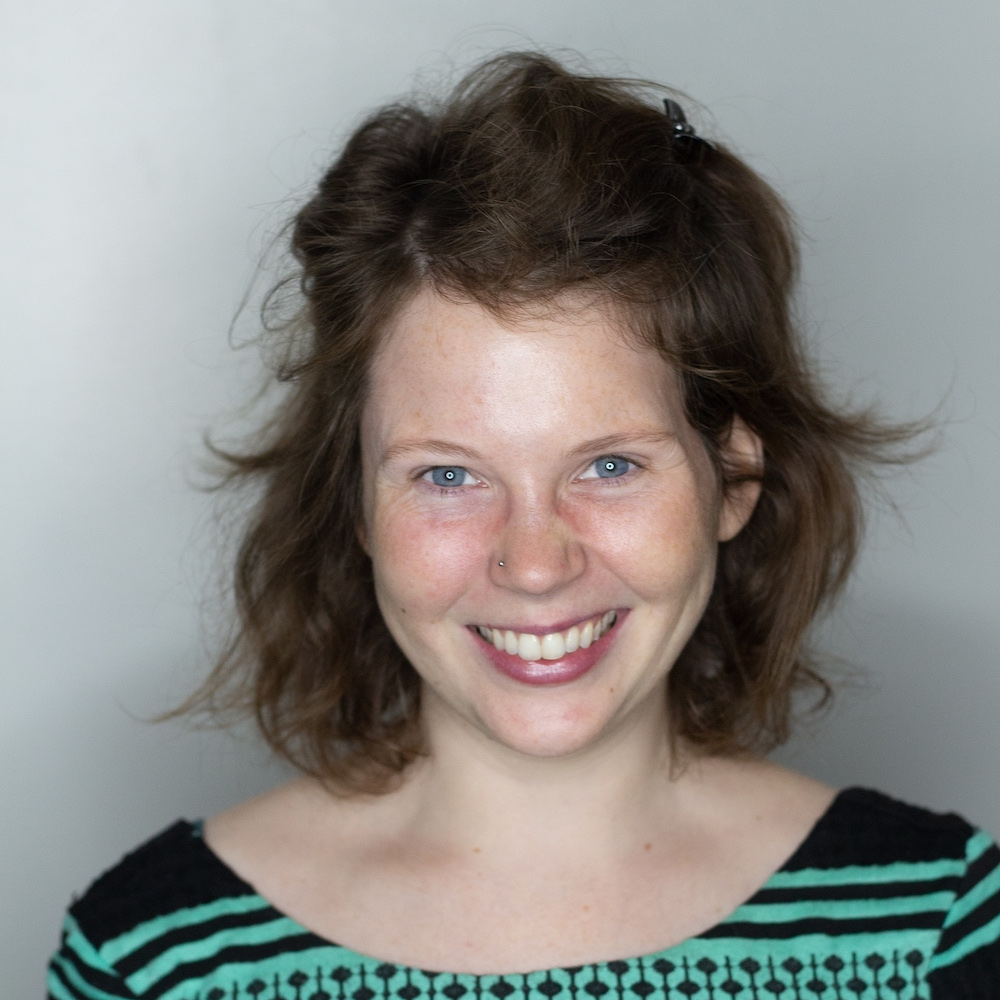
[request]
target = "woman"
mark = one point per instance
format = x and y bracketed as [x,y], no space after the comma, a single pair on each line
[547,511]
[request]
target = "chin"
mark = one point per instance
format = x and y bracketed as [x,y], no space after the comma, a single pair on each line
[547,731]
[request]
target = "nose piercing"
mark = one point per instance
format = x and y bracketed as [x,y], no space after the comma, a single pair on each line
[500,563]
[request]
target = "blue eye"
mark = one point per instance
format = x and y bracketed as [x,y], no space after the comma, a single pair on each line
[448,475]
[611,466]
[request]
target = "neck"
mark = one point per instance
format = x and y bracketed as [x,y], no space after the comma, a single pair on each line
[472,792]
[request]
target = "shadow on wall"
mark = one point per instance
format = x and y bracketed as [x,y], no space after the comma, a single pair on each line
[919,716]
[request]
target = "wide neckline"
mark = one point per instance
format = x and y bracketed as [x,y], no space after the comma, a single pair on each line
[803,846]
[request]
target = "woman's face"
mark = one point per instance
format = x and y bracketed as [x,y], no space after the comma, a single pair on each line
[541,518]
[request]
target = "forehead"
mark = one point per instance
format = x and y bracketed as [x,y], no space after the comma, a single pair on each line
[457,368]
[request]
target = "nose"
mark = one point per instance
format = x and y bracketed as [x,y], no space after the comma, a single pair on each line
[537,552]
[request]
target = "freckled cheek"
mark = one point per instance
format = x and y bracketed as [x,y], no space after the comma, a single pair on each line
[658,549]
[427,563]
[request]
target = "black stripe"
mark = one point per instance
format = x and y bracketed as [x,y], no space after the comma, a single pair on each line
[173,870]
[146,953]
[245,953]
[96,978]
[824,925]
[981,867]
[973,977]
[864,827]
[856,890]
[982,914]
[58,973]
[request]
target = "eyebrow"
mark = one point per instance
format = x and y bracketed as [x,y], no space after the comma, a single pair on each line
[595,446]
[448,448]
[612,441]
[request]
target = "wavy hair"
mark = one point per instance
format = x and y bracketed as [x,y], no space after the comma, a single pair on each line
[525,183]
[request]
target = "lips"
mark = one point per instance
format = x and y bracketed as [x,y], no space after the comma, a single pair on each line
[552,657]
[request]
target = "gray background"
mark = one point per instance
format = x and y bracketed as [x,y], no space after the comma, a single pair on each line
[150,151]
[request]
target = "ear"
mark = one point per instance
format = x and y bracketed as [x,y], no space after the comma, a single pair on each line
[742,453]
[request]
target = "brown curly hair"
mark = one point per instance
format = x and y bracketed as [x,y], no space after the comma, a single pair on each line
[527,182]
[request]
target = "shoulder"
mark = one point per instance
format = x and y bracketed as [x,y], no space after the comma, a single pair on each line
[172,871]
[909,866]
[867,828]
[301,833]
[153,897]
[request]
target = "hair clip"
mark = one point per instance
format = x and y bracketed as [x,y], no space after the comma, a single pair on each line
[684,138]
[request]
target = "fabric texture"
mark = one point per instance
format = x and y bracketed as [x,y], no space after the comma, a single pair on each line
[882,900]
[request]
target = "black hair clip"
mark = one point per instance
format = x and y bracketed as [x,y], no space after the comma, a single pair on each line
[684,138]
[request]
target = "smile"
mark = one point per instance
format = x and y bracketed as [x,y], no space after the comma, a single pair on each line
[553,646]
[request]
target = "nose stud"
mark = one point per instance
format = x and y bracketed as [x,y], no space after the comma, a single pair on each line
[500,563]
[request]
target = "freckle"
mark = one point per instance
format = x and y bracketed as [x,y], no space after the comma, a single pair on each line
[475,850]
[648,847]
[586,909]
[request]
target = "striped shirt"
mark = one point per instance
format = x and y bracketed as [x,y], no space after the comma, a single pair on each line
[882,900]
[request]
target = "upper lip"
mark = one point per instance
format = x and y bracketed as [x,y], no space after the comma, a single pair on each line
[546,629]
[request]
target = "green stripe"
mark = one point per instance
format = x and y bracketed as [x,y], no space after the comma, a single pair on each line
[307,961]
[899,871]
[974,898]
[979,843]
[56,989]
[115,949]
[802,948]
[80,944]
[193,951]
[820,946]
[82,987]
[841,909]
[987,934]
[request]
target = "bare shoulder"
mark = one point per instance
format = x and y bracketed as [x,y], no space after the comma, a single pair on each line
[766,808]
[295,795]
[778,784]
[264,839]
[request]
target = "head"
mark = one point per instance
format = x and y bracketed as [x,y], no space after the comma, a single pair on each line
[532,195]
[542,521]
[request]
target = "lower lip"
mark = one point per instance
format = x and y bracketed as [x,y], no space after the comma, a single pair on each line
[545,672]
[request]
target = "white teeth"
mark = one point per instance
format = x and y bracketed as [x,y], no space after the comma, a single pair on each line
[553,646]
[607,620]
[573,639]
[528,646]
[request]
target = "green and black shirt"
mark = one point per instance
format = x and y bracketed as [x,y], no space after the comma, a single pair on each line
[882,901]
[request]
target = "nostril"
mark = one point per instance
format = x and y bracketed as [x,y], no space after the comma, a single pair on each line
[536,555]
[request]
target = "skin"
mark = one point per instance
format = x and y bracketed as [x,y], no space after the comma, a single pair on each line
[526,412]
[548,824]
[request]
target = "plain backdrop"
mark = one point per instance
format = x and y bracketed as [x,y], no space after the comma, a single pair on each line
[150,152]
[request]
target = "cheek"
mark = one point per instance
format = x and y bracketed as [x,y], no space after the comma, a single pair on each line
[425,563]
[662,545]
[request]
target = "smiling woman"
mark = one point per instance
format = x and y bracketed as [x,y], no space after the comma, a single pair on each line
[610,553]
[547,511]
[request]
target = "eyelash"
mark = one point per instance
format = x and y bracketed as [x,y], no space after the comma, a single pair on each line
[613,480]
[423,476]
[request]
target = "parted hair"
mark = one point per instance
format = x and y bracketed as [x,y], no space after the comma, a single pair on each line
[525,184]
